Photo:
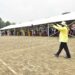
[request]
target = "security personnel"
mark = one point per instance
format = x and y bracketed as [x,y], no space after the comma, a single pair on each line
[63,38]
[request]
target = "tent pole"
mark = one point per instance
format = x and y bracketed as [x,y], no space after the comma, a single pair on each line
[48,30]
[14,32]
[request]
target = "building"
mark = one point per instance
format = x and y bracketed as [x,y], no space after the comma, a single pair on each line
[41,27]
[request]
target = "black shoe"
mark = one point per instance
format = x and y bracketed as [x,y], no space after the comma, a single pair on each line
[56,55]
[67,57]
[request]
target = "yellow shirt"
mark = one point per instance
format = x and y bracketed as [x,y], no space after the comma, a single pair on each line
[63,36]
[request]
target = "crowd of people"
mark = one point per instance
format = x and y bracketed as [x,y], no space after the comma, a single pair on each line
[40,30]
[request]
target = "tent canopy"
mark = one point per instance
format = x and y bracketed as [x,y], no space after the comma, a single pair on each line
[65,17]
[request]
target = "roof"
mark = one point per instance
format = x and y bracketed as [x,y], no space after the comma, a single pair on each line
[65,17]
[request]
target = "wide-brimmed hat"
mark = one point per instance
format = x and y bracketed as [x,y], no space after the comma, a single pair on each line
[63,23]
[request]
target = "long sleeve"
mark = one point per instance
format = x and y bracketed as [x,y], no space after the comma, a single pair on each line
[58,27]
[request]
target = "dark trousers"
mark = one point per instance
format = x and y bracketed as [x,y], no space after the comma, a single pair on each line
[64,46]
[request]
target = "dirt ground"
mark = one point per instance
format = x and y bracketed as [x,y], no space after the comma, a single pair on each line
[20,55]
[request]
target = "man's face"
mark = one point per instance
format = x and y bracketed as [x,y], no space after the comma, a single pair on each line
[62,25]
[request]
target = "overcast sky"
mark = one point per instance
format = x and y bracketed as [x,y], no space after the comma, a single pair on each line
[19,11]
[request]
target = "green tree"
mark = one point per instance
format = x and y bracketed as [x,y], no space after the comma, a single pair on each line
[7,23]
[2,24]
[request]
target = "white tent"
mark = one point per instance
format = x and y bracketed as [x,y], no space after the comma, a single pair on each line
[65,17]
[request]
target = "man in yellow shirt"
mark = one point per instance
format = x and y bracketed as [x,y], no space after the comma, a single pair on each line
[63,38]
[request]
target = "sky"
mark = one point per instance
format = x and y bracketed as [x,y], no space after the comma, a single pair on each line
[20,11]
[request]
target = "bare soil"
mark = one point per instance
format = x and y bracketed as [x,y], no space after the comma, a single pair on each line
[20,55]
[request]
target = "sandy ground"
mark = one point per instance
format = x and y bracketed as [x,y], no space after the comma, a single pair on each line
[20,55]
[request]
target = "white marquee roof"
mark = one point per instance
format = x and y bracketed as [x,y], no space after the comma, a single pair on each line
[65,17]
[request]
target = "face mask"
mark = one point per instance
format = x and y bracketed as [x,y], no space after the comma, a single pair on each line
[62,25]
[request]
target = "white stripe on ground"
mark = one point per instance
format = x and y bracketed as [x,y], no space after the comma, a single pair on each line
[14,72]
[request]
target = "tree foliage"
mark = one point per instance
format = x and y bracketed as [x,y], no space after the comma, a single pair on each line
[3,24]
[7,23]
